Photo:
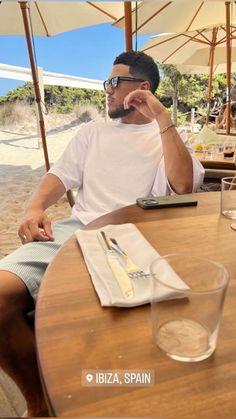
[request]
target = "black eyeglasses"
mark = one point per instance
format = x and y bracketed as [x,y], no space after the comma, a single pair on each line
[114,81]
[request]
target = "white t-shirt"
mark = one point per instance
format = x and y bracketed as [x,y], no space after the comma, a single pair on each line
[111,164]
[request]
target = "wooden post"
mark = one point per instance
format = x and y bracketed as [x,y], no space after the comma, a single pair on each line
[128,26]
[212,56]
[24,6]
[41,89]
[228,67]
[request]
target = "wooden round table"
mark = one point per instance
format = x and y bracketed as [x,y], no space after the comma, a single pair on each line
[74,333]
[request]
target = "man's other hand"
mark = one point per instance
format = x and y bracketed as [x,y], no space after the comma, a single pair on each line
[35,226]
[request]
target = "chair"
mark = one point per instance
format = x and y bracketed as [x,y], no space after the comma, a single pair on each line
[70,198]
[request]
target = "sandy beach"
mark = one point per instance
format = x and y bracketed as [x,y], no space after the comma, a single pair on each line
[21,168]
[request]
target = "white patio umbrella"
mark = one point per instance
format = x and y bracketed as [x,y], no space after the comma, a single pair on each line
[53,17]
[193,48]
[204,48]
[164,16]
[49,18]
[198,69]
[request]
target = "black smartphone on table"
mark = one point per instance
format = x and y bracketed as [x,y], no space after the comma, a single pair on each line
[166,201]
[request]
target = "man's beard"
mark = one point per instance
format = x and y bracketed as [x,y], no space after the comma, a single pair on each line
[120,112]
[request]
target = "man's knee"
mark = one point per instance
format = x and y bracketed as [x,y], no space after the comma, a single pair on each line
[14,296]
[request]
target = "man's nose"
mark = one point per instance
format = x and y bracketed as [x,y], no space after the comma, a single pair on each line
[109,90]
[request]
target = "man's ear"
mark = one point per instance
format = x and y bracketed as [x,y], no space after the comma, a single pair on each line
[145,85]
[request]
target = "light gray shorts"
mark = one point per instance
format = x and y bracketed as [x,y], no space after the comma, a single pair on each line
[30,261]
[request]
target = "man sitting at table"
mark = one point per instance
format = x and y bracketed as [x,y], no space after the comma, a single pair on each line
[110,164]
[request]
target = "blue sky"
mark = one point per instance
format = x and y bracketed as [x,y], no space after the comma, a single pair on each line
[86,52]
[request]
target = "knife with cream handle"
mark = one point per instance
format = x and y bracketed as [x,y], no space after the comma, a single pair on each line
[116,267]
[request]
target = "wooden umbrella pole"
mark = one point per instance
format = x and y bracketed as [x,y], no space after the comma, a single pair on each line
[228,67]
[24,7]
[212,55]
[128,26]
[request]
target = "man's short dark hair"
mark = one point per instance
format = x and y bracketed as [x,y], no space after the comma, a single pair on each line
[141,66]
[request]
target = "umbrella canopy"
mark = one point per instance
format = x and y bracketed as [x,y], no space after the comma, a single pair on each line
[198,69]
[165,16]
[192,48]
[53,17]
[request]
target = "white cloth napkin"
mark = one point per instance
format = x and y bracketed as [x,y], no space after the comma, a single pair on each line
[138,249]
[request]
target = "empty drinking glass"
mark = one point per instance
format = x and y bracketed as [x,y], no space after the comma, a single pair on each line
[228,197]
[187,301]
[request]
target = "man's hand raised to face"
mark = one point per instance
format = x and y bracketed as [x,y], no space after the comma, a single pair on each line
[145,103]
